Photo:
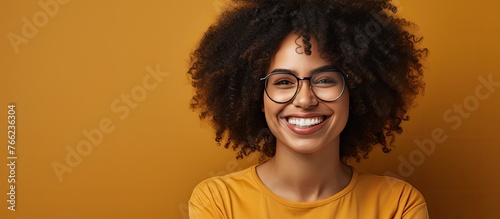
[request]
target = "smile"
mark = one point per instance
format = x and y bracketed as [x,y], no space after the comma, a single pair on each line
[305,122]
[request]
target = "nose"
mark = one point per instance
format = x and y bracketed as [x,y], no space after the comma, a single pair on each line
[305,97]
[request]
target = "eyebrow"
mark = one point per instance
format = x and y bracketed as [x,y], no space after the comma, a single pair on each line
[316,70]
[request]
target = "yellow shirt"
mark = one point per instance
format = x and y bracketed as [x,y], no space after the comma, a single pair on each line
[242,195]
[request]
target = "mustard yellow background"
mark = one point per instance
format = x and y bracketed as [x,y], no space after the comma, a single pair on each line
[116,71]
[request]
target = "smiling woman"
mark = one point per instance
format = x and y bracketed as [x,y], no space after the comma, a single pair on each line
[339,82]
[324,107]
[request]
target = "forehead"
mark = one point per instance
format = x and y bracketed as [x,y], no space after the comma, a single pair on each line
[290,55]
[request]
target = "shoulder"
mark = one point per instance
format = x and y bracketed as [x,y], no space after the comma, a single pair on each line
[211,197]
[388,182]
[389,191]
[388,186]
[219,186]
[231,179]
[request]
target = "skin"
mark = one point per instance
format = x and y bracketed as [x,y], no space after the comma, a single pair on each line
[306,166]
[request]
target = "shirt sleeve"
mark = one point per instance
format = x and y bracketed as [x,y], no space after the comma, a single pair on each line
[199,211]
[418,212]
[416,207]
[201,204]
[412,204]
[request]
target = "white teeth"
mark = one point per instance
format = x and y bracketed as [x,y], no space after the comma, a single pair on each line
[305,122]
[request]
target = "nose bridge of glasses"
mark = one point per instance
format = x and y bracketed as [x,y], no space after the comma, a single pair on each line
[301,83]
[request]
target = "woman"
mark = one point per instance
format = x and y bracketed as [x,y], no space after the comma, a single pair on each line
[309,85]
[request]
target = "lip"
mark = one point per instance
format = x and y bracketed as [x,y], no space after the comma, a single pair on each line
[305,131]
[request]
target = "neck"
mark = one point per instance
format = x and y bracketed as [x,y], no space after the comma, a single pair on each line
[306,177]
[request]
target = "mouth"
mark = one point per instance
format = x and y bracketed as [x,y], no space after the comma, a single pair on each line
[304,123]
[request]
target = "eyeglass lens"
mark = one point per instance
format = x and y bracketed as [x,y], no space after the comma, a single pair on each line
[327,86]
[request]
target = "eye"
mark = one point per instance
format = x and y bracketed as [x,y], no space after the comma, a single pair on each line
[283,82]
[326,81]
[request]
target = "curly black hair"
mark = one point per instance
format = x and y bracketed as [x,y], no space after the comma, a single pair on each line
[364,38]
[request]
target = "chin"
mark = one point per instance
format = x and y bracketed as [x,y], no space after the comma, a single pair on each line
[305,146]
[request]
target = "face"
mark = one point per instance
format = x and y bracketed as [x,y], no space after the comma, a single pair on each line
[305,124]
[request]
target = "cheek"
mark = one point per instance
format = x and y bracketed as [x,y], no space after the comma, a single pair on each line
[345,102]
[342,108]
[345,107]
[271,111]
[265,99]
[268,108]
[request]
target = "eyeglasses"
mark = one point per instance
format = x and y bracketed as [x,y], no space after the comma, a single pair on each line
[327,84]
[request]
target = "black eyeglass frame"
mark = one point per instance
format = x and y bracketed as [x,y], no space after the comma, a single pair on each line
[264,79]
